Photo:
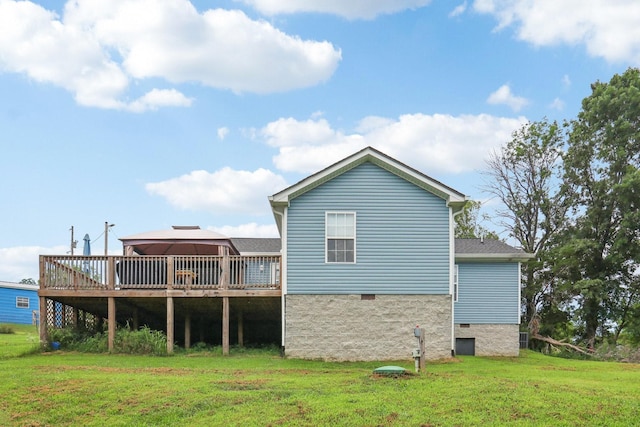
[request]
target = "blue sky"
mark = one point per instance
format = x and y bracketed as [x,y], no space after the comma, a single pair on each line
[152,113]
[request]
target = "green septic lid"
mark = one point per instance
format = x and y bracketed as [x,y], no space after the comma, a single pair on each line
[389,370]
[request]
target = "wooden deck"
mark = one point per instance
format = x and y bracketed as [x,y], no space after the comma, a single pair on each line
[115,287]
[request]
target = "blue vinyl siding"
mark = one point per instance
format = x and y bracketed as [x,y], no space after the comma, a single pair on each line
[254,275]
[487,293]
[402,237]
[9,313]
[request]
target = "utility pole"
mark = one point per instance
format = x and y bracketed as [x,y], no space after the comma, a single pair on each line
[73,242]
[107,226]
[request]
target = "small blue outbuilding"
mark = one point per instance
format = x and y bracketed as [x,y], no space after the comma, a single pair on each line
[18,303]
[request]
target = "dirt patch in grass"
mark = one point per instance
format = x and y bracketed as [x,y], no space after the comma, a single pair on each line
[240,385]
[113,369]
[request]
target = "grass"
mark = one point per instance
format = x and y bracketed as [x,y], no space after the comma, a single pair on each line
[262,389]
[23,340]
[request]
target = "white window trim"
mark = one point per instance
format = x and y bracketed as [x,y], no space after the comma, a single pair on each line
[326,237]
[456,280]
[20,301]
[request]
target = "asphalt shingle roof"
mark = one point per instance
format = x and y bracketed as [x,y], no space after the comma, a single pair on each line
[247,245]
[485,246]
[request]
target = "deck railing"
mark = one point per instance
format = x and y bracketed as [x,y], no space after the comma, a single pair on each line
[188,272]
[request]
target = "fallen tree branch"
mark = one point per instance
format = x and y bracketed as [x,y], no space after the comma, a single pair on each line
[551,341]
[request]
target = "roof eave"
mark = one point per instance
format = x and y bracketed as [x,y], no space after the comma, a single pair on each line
[520,257]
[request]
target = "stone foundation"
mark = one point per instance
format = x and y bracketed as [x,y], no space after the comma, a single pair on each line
[492,340]
[349,328]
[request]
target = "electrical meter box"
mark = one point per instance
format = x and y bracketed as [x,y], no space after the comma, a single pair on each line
[417,332]
[416,353]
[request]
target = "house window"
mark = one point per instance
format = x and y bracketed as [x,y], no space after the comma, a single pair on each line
[22,302]
[340,230]
[455,283]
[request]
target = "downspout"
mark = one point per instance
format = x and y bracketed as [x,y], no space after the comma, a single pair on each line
[283,275]
[519,295]
[451,273]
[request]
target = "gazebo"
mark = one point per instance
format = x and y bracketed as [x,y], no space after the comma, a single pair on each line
[179,240]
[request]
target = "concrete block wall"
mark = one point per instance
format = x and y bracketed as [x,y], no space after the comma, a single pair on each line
[492,339]
[350,328]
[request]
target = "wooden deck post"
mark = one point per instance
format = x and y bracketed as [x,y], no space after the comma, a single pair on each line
[224,284]
[187,331]
[224,279]
[171,274]
[225,325]
[111,272]
[240,329]
[170,325]
[43,321]
[112,321]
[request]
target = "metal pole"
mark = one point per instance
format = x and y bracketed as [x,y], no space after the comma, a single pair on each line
[72,245]
[107,226]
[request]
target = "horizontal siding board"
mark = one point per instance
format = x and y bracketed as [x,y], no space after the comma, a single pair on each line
[402,237]
[488,293]
[9,313]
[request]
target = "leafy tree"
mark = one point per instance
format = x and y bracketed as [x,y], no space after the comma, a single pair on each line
[525,175]
[28,281]
[599,255]
[467,225]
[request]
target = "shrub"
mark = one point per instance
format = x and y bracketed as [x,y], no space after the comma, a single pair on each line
[6,329]
[68,337]
[93,344]
[618,353]
[142,341]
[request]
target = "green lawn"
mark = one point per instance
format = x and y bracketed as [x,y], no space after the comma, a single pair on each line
[262,389]
[24,340]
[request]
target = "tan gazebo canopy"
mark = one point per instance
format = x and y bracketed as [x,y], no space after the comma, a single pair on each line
[179,240]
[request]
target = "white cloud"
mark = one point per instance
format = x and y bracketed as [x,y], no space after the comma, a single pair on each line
[156,98]
[458,10]
[557,104]
[224,191]
[608,29]
[22,262]
[504,96]
[351,9]
[566,81]
[35,42]
[285,132]
[99,47]
[432,143]
[248,230]
[222,133]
